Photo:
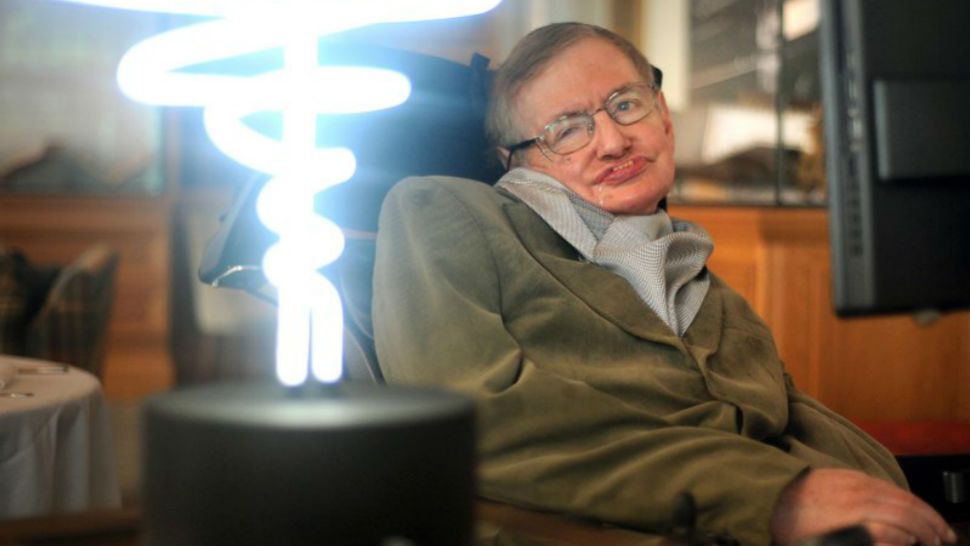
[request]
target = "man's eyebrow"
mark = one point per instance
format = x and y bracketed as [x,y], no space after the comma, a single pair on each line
[620,89]
[612,93]
[567,113]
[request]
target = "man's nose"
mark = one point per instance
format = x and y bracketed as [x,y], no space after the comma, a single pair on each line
[609,138]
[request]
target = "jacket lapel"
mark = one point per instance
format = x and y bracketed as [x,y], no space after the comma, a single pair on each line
[608,294]
[703,337]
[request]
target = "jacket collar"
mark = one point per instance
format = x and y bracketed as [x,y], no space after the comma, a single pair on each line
[610,295]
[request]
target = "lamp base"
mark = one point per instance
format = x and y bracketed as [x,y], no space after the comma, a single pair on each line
[347,465]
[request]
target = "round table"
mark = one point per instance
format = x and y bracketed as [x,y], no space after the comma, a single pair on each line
[56,449]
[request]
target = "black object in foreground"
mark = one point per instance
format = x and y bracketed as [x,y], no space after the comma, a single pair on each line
[856,535]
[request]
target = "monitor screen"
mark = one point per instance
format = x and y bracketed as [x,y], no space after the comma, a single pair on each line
[896,95]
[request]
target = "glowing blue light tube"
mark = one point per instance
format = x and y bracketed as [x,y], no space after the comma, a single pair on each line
[310,326]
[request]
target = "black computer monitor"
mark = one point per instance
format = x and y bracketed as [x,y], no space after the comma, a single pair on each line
[896,95]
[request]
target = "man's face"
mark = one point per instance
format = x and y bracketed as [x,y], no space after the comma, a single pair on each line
[624,169]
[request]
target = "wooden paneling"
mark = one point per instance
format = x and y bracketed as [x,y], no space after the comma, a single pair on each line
[55,230]
[875,369]
[869,369]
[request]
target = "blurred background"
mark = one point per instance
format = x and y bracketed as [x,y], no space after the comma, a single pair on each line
[83,166]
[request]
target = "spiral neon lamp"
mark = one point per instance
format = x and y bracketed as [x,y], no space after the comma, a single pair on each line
[264,464]
[310,325]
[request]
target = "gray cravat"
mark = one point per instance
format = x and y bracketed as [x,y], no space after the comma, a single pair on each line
[663,259]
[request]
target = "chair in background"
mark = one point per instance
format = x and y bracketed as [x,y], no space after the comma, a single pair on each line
[72,325]
[23,287]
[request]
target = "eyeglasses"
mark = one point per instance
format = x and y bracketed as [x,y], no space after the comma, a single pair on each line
[571,132]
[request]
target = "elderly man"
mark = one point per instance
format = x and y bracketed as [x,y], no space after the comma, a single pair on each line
[613,370]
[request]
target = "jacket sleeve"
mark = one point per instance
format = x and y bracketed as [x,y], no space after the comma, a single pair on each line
[818,434]
[547,441]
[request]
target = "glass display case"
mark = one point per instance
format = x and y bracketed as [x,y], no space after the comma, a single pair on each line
[746,111]
[750,128]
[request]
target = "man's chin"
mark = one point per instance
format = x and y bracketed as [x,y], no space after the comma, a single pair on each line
[633,206]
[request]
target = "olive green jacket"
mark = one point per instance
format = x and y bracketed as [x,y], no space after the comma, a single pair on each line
[589,404]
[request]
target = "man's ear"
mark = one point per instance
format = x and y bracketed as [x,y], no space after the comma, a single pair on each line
[665,113]
[503,155]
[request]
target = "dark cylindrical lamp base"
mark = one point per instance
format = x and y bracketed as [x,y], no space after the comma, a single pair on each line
[344,465]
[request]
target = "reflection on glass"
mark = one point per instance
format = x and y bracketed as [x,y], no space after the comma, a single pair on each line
[804,183]
[751,133]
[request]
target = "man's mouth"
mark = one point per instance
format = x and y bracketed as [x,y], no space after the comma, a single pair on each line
[618,174]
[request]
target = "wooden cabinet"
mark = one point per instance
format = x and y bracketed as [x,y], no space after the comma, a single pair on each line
[869,369]
[56,229]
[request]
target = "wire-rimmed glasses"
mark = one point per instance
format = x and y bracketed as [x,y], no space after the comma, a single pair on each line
[572,132]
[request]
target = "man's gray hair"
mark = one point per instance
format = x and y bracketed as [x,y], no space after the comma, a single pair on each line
[528,58]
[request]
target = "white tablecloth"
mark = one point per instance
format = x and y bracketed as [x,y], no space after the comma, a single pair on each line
[56,450]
